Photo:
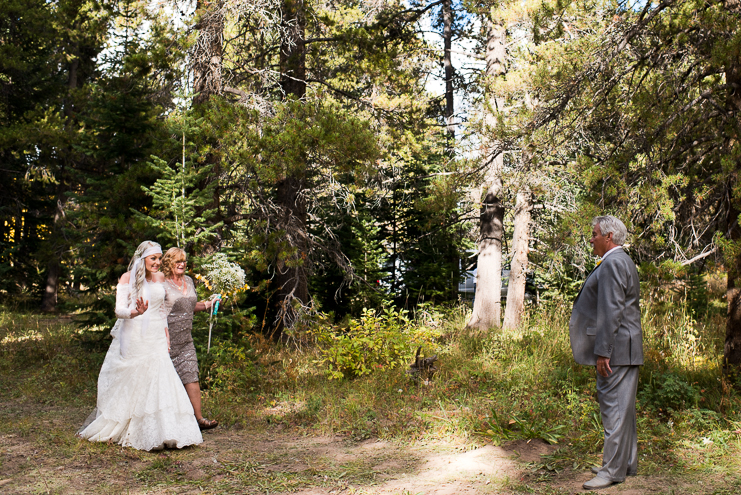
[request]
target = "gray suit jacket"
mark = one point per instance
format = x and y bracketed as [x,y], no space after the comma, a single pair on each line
[606,319]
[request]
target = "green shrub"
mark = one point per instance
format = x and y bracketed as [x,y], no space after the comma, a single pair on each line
[668,392]
[229,366]
[378,340]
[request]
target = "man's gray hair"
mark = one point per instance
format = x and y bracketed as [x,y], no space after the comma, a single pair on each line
[609,224]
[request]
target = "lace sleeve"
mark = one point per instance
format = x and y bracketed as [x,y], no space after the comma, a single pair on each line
[122,302]
[191,287]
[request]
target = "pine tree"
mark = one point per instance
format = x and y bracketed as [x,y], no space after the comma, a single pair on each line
[122,126]
[180,211]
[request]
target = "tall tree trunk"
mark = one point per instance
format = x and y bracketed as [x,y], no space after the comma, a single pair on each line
[447,14]
[207,64]
[732,347]
[518,270]
[208,51]
[56,239]
[293,49]
[292,277]
[487,308]
[54,266]
[449,71]
[49,299]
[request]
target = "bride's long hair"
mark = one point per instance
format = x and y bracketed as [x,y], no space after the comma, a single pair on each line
[141,270]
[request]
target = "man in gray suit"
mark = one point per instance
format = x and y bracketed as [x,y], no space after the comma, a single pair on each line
[605,331]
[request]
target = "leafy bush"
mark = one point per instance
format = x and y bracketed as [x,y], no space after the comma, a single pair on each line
[378,340]
[229,366]
[700,419]
[668,392]
[231,363]
[232,324]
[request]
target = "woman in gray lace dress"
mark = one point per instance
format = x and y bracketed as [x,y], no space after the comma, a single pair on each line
[181,302]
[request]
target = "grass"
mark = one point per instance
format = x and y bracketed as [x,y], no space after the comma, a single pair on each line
[492,387]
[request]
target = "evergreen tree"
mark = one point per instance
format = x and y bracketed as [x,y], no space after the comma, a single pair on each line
[652,96]
[122,128]
[48,51]
[180,212]
[360,285]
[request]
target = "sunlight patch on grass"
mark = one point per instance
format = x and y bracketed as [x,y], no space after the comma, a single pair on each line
[491,387]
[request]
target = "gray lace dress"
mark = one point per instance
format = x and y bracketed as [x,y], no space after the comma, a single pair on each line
[179,307]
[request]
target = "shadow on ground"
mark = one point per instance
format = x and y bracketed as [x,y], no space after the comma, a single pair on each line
[40,454]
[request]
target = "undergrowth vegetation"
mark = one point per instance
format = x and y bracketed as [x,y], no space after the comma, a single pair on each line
[350,379]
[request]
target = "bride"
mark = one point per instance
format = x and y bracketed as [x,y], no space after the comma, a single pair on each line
[141,400]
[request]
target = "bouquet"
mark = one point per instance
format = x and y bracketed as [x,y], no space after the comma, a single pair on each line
[223,276]
[224,279]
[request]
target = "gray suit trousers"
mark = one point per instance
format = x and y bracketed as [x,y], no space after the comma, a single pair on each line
[617,404]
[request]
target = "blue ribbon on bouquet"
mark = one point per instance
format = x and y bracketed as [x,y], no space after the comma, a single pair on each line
[210,319]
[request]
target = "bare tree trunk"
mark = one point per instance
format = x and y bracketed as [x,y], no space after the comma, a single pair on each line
[447,15]
[732,347]
[449,70]
[293,49]
[292,274]
[56,239]
[518,270]
[49,299]
[208,51]
[487,308]
[54,267]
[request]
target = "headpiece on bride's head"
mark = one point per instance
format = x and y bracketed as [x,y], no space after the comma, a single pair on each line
[138,269]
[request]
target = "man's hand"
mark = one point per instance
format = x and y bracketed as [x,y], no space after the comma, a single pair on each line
[603,366]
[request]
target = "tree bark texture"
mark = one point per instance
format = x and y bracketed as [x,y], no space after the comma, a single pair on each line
[54,266]
[56,239]
[732,346]
[518,269]
[447,14]
[449,70]
[487,308]
[292,275]
[49,299]
[208,51]
[293,49]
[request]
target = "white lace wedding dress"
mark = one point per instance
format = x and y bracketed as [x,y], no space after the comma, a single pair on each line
[141,401]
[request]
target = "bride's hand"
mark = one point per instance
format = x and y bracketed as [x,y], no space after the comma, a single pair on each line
[141,306]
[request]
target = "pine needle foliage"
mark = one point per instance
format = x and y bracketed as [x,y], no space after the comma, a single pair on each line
[182,206]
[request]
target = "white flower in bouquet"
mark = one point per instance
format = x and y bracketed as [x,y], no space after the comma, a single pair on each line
[223,276]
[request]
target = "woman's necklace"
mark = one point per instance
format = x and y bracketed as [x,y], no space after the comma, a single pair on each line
[181,286]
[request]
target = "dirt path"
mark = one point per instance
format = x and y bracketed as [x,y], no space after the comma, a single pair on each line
[39,454]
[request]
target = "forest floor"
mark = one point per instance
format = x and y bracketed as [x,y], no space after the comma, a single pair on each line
[292,430]
[40,454]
